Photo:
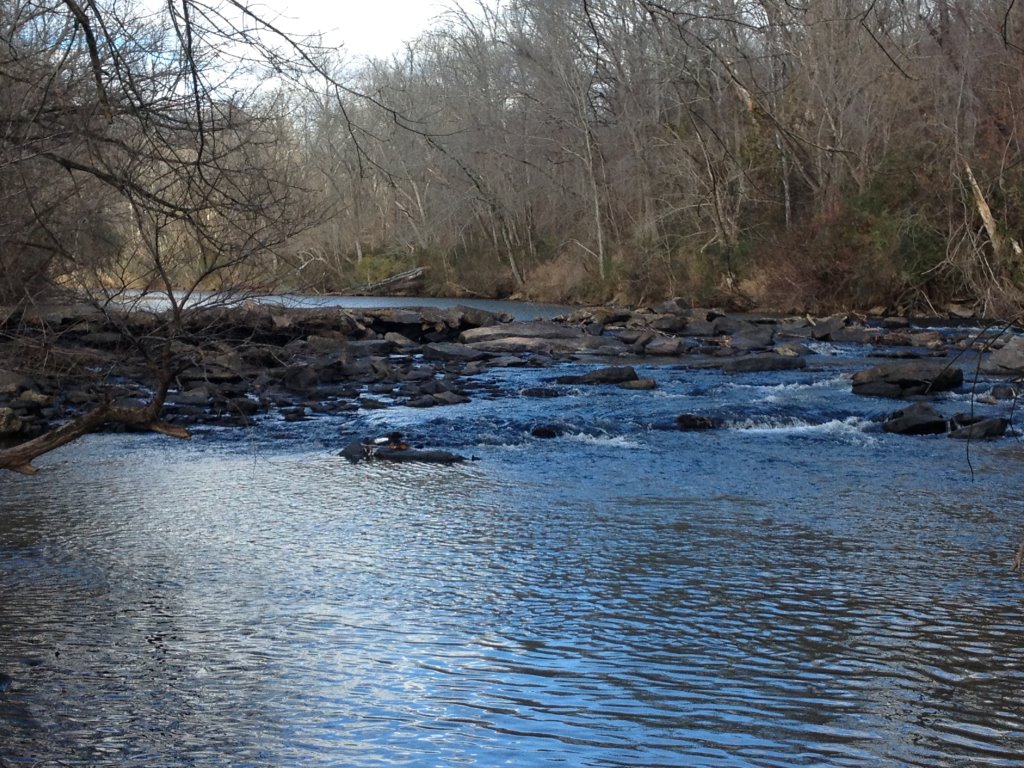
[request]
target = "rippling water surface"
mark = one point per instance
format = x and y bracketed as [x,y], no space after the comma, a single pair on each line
[795,589]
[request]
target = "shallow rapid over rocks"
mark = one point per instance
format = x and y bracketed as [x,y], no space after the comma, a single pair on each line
[236,365]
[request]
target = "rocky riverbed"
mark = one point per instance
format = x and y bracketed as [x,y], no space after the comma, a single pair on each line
[234,365]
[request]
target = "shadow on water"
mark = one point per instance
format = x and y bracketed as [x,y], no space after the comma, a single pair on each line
[795,589]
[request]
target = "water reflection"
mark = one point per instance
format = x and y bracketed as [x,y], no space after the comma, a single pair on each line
[224,604]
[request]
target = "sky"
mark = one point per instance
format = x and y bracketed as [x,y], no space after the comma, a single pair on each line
[365,27]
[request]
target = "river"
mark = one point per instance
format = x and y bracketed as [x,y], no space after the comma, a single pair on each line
[795,589]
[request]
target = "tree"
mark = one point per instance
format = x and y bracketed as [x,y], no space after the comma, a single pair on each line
[148,158]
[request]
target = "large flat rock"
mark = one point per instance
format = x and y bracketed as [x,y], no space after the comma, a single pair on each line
[529,329]
[1009,360]
[913,379]
[574,345]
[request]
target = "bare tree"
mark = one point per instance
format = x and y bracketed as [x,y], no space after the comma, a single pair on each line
[153,134]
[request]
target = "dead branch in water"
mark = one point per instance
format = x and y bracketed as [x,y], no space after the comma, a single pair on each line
[19,458]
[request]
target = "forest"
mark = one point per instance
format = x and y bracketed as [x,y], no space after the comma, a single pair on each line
[785,155]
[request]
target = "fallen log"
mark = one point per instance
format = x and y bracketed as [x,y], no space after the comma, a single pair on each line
[409,282]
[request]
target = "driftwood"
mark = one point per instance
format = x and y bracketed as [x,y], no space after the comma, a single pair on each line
[408,282]
[19,458]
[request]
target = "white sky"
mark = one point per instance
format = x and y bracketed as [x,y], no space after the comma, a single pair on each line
[366,27]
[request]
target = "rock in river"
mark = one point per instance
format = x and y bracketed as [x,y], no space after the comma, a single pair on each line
[615,374]
[1007,360]
[901,380]
[965,427]
[693,422]
[768,361]
[916,419]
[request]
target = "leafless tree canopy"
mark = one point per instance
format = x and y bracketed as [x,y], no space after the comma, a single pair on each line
[812,154]
[816,154]
[141,151]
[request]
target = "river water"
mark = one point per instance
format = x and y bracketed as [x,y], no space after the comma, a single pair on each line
[795,589]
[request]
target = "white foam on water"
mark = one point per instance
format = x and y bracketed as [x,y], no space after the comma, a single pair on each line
[613,441]
[793,425]
[825,348]
[787,391]
[832,382]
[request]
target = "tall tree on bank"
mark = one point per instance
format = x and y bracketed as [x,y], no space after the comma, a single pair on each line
[140,158]
[807,155]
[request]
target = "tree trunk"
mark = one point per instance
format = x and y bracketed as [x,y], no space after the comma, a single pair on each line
[1002,247]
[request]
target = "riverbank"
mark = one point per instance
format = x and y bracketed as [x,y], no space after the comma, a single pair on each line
[233,366]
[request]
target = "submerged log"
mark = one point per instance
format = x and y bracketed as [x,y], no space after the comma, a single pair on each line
[360,451]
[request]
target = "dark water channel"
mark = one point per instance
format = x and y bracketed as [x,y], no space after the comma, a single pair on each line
[796,589]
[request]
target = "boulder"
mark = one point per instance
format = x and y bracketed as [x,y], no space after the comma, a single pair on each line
[546,431]
[900,338]
[368,347]
[32,397]
[1004,392]
[615,374]
[399,341]
[823,328]
[635,336]
[527,329]
[916,419]
[212,373]
[674,306]
[669,323]
[902,380]
[570,345]
[700,326]
[928,339]
[1008,360]
[539,337]
[960,311]
[693,422]
[851,334]
[792,349]
[196,396]
[243,406]
[664,346]
[730,326]
[894,323]
[300,378]
[540,392]
[795,328]
[391,316]
[452,351]
[638,384]
[473,317]
[12,383]
[964,427]
[440,398]
[765,362]
[296,413]
[754,337]
[10,422]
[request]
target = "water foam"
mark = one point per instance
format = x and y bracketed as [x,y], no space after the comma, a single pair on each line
[613,441]
[796,426]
